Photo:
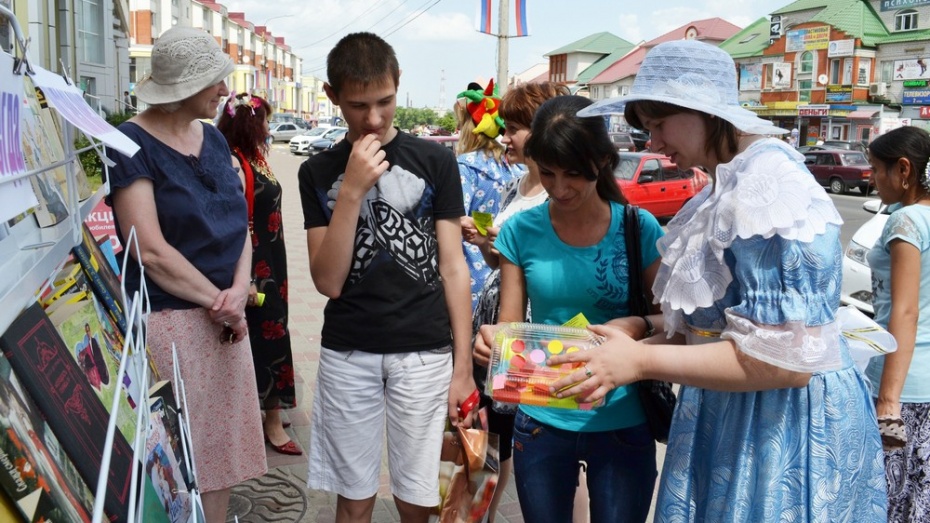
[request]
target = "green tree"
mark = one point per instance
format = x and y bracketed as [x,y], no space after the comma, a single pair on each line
[410,117]
[447,122]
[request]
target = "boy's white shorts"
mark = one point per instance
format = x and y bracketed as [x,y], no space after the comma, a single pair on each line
[355,392]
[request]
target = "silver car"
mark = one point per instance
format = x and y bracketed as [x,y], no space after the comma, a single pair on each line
[284,131]
[300,143]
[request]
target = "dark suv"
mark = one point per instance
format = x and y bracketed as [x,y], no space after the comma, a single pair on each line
[840,170]
[623,142]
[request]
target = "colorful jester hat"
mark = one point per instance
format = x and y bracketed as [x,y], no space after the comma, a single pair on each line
[483,107]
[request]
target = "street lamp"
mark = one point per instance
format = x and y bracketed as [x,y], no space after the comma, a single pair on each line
[265,23]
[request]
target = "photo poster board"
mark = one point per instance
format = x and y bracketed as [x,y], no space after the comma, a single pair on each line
[913,69]
[750,77]
[781,75]
[68,100]
[15,197]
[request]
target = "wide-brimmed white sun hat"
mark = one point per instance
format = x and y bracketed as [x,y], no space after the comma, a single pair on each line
[689,74]
[185,61]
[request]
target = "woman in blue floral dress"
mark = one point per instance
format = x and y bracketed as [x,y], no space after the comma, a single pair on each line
[774,422]
[484,169]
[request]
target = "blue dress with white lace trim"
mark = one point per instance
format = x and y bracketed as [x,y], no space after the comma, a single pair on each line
[756,259]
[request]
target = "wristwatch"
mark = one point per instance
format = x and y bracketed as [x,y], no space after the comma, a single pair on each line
[650,328]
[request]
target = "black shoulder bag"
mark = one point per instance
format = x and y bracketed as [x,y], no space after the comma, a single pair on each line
[657,397]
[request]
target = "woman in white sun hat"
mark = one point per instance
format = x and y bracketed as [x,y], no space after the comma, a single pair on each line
[774,422]
[186,202]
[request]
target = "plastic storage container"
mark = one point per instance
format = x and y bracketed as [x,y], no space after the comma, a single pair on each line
[518,373]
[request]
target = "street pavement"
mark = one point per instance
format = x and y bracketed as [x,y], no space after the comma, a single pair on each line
[282,495]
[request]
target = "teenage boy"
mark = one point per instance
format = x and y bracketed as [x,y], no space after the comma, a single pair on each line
[382,209]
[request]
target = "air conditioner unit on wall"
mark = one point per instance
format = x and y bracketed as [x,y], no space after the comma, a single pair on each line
[877,89]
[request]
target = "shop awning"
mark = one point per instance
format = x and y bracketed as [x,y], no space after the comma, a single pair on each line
[862,115]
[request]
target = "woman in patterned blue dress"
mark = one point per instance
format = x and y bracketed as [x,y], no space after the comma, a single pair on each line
[485,173]
[774,422]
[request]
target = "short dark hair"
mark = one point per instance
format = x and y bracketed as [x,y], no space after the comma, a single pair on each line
[245,130]
[908,142]
[722,137]
[519,103]
[361,58]
[561,138]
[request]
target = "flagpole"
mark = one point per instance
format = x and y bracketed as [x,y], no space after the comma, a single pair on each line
[503,26]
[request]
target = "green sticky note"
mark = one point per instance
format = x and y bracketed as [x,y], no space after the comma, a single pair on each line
[579,322]
[483,220]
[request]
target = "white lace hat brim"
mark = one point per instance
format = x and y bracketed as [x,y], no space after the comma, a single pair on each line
[741,118]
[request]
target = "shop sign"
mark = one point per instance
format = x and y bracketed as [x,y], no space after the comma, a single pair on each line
[916,97]
[809,39]
[813,110]
[925,112]
[915,83]
[911,69]
[892,5]
[841,48]
[837,93]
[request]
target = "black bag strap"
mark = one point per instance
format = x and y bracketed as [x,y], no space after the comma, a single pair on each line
[634,257]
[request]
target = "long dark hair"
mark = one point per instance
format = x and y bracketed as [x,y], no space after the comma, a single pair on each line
[560,138]
[245,130]
[908,142]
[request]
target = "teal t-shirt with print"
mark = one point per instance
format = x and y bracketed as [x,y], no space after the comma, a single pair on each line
[563,280]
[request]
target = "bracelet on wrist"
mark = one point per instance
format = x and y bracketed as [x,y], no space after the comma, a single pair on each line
[650,328]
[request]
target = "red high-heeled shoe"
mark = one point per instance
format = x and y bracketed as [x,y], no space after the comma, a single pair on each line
[290,448]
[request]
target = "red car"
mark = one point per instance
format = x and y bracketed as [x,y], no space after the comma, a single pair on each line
[653,182]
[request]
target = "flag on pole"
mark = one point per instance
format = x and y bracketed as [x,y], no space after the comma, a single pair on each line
[522,25]
[484,17]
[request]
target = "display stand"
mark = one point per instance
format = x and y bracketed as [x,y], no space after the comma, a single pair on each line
[30,255]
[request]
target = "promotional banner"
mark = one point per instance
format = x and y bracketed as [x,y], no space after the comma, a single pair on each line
[750,77]
[15,197]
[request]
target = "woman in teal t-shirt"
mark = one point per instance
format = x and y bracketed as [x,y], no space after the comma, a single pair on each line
[568,257]
[900,268]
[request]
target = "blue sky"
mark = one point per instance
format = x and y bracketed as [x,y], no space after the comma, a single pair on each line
[436,39]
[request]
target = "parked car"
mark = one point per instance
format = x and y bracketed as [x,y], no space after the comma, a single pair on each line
[653,182]
[284,131]
[840,170]
[846,144]
[623,142]
[639,139]
[327,141]
[857,276]
[298,144]
[302,144]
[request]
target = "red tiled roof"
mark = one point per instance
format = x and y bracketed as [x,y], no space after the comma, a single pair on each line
[710,30]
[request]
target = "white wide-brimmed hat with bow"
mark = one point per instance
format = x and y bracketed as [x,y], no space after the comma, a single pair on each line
[185,61]
[689,74]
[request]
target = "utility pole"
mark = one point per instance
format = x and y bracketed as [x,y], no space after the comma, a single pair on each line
[503,26]
[442,89]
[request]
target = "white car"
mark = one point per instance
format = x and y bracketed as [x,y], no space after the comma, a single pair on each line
[857,277]
[301,144]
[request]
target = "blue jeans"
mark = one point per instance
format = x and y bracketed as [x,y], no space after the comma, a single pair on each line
[621,471]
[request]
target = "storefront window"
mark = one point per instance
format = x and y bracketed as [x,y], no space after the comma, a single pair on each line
[887,70]
[865,70]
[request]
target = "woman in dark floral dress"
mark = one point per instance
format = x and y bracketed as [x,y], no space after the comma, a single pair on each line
[244,122]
